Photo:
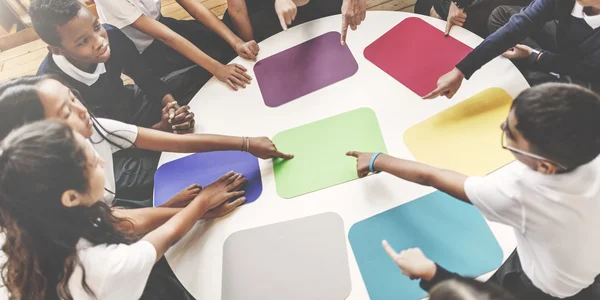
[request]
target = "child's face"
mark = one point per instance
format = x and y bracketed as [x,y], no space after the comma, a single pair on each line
[61,103]
[514,139]
[95,173]
[83,39]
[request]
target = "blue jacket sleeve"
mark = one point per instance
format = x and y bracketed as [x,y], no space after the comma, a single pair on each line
[587,67]
[516,30]
[441,274]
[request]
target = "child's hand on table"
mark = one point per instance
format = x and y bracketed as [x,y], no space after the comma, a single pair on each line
[183,198]
[248,50]
[286,12]
[363,160]
[456,16]
[447,85]
[412,262]
[353,13]
[224,209]
[263,147]
[225,188]
[234,75]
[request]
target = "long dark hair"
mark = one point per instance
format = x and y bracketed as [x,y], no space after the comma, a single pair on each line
[41,234]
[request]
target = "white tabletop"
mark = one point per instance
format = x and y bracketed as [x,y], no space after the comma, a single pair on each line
[197,259]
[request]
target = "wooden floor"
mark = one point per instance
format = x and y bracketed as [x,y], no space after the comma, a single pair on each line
[25,59]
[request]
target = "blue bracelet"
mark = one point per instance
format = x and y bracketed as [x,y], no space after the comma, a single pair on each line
[372,162]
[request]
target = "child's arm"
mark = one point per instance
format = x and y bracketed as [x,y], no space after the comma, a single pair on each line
[149,139]
[234,75]
[447,181]
[144,220]
[239,15]
[247,50]
[176,227]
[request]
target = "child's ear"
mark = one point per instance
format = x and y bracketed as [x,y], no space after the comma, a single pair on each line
[55,50]
[71,198]
[546,168]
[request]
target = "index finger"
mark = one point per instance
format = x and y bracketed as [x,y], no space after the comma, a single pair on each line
[352,153]
[390,251]
[282,22]
[283,155]
[433,93]
[344,31]
[226,176]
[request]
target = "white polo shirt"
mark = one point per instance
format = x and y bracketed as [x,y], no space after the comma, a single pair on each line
[116,271]
[122,135]
[122,13]
[555,219]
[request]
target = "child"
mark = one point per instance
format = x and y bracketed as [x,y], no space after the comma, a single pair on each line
[471,14]
[62,242]
[167,44]
[441,284]
[258,20]
[567,47]
[91,58]
[31,99]
[550,196]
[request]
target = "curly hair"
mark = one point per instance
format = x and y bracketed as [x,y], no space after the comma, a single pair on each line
[47,14]
[41,233]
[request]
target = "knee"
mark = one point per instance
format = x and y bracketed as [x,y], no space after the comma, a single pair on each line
[498,18]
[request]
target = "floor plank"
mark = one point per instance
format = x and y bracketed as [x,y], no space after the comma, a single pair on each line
[25,59]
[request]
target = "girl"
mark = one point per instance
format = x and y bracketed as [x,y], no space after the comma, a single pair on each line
[30,99]
[62,242]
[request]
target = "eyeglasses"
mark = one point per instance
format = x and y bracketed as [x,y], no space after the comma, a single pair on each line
[504,127]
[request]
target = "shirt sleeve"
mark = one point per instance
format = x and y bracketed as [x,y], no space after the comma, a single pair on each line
[135,67]
[568,64]
[119,13]
[125,268]
[497,199]
[119,134]
[516,30]
[441,274]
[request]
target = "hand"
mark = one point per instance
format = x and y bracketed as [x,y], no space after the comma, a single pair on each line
[247,50]
[181,119]
[183,198]
[224,209]
[234,75]
[518,52]
[263,147]
[412,262]
[286,12]
[353,13]
[225,188]
[363,160]
[456,16]
[447,85]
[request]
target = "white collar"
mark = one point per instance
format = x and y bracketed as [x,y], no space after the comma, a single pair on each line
[593,21]
[77,74]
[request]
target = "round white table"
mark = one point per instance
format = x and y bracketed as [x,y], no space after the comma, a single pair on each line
[197,259]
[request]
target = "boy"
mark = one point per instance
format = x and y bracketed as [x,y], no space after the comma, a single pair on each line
[567,45]
[168,44]
[550,195]
[91,57]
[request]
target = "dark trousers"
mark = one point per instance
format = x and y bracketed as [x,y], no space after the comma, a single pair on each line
[477,14]
[542,39]
[511,276]
[164,285]
[164,60]
[134,177]
[265,22]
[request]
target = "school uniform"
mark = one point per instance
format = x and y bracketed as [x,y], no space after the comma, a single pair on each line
[265,22]
[121,271]
[570,51]
[159,57]
[555,221]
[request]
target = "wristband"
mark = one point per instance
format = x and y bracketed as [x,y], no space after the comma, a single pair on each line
[372,162]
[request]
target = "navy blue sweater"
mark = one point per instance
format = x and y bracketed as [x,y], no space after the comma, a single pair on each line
[107,97]
[578,46]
